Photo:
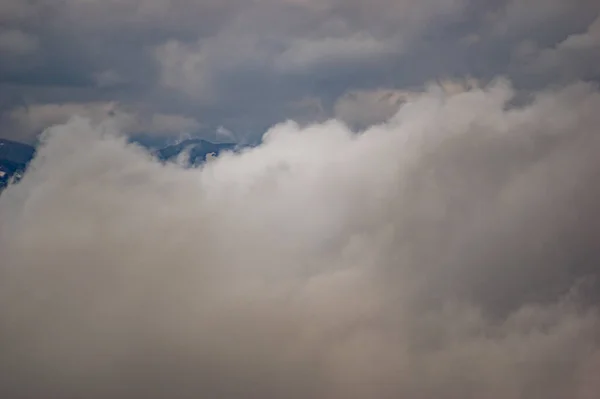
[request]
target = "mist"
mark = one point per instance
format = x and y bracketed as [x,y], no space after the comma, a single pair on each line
[450,252]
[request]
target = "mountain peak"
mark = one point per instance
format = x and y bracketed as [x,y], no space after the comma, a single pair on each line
[197,149]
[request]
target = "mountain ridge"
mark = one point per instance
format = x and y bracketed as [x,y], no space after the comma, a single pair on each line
[16,156]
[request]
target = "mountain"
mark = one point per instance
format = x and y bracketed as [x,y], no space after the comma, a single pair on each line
[13,151]
[14,158]
[196,150]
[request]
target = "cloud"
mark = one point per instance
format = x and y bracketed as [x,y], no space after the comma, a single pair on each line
[548,18]
[34,119]
[575,57]
[201,69]
[369,107]
[364,108]
[225,135]
[449,252]
[108,78]
[121,15]
[304,55]
[11,10]
[323,40]
[247,64]
[15,42]
[195,69]
[165,123]
[587,41]
[31,121]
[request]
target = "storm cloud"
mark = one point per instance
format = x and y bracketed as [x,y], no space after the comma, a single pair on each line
[246,65]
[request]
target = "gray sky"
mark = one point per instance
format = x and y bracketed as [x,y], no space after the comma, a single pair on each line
[183,66]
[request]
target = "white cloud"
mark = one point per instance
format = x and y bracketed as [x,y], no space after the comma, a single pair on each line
[426,257]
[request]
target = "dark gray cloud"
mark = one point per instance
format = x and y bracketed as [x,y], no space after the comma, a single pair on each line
[247,64]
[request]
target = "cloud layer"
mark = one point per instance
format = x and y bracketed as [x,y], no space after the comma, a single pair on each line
[245,65]
[449,252]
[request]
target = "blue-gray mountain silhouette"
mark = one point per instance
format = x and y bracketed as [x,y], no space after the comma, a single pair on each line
[196,150]
[14,156]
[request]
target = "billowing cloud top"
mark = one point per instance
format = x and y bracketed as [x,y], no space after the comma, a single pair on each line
[449,252]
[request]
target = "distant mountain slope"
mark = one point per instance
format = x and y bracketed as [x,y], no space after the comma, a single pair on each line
[14,158]
[13,151]
[196,149]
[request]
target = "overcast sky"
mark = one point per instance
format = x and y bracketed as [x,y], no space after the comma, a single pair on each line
[184,66]
[425,228]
